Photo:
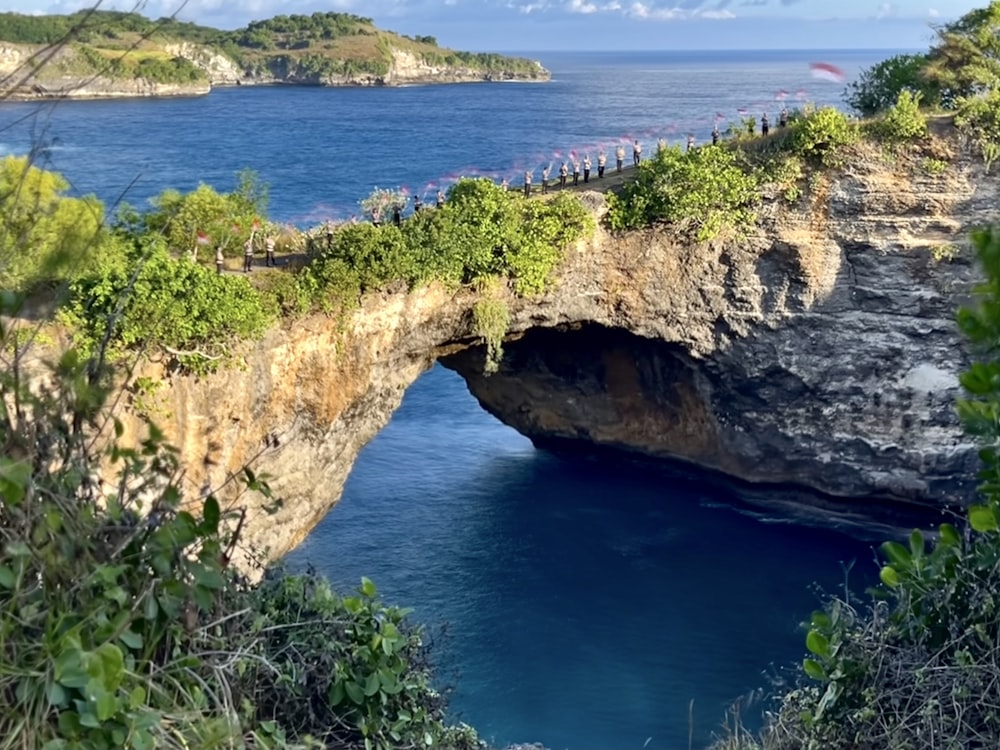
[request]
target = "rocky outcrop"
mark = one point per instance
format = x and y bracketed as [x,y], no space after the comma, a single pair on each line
[820,350]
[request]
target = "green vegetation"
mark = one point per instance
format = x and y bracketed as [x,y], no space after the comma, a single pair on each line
[123,625]
[317,48]
[141,284]
[702,190]
[903,121]
[878,87]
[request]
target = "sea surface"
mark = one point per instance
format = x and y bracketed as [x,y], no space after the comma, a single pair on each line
[585,603]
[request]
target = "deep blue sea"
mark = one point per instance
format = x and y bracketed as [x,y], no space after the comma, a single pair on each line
[589,604]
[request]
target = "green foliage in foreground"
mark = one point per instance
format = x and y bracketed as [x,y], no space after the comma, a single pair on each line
[920,667]
[45,236]
[979,117]
[903,121]
[123,627]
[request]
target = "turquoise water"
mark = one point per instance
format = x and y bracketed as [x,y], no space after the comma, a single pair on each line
[587,603]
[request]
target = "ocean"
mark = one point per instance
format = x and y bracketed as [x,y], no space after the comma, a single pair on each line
[584,603]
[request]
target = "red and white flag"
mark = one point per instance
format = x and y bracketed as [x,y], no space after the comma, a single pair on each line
[201,238]
[742,111]
[781,95]
[255,227]
[827,72]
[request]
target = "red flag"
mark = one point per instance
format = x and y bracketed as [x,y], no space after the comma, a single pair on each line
[781,95]
[742,111]
[256,225]
[201,238]
[827,72]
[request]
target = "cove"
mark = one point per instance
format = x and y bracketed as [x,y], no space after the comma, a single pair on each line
[584,603]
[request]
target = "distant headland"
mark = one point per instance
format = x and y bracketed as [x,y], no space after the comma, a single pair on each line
[107,54]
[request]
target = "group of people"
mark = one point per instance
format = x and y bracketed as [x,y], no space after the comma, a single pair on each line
[248,253]
[620,151]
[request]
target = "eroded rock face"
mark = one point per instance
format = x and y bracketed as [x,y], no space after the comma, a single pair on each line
[821,350]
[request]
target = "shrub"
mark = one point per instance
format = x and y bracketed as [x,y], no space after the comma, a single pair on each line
[821,136]
[702,190]
[902,122]
[979,118]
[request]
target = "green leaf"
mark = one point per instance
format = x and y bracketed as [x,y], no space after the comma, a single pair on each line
[888,576]
[355,692]
[372,684]
[916,543]
[137,697]
[57,695]
[814,669]
[210,515]
[982,518]
[949,535]
[367,587]
[898,554]
[131,639]
[335,694]
[817,643]
[7,578]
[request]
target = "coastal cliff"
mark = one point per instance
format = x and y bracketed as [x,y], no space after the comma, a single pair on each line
[818,350]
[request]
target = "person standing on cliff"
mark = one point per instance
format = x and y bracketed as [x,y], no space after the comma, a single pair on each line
[220,260]
[397,215]
[527,183]
[440,199]
[545,179]
[715,134]
[783,117]
[620,156]
[586,168]
[248,254]
[602,160]
[690,142]
[269,252]
[576,171]
[636,152]
[765,125]
[417,204]
[563,174]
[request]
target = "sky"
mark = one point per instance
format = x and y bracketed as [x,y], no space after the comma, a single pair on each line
[525,25]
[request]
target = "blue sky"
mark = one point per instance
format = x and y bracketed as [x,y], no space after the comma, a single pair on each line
[510,25]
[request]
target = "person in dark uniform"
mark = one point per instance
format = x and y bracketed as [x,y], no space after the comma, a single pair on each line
[440,199]
[765,125]
[715,134]
[397,215]
[602,161]
[417,204]
[783,117]
[527,184]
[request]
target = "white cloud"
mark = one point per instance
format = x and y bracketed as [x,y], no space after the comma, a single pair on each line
[885,10]
[579,6]
[933,13]
[717,15]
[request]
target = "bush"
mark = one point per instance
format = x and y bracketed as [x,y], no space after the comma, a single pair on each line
[152,300]
[979,118]
[821,136]
[702,190]
[902,122]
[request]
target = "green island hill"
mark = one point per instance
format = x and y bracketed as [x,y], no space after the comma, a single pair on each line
[781,310]
[105,54]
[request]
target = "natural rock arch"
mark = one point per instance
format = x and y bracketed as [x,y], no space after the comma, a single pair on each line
[821,350]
